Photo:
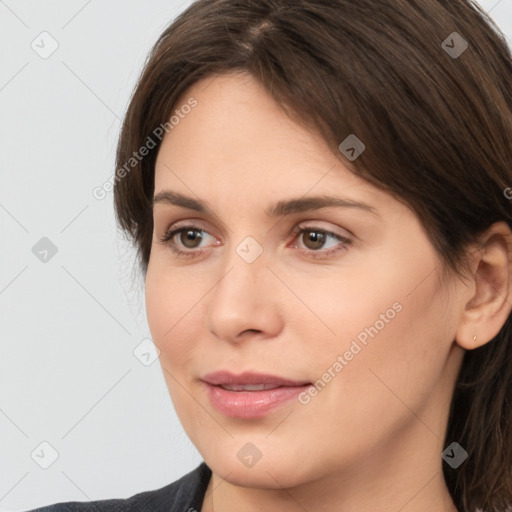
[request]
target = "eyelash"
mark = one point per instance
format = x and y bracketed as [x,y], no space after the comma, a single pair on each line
[167,239]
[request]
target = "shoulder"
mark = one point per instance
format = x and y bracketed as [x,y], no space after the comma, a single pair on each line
[183,494]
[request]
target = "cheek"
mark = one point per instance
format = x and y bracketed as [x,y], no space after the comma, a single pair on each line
[157,306]
[174,308]
[171,319]
[391,327]
[163,308]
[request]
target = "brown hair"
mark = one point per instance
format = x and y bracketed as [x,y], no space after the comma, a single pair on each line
[437,127]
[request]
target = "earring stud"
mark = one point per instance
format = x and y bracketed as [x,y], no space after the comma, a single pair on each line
[474,338]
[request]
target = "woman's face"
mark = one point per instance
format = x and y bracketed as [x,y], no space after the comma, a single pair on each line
[354,305]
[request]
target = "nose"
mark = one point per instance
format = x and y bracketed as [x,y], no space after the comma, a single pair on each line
[245,301]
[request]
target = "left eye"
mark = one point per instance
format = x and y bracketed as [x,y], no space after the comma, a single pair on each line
[317,237]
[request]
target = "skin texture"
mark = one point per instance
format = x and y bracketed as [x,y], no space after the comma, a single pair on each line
[372,438]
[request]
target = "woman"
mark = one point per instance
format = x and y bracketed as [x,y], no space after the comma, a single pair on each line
[317,191]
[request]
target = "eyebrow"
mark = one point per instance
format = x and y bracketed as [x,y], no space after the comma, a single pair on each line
[281,208]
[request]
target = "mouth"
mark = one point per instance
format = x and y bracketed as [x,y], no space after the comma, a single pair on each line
[248,387]
[250,395]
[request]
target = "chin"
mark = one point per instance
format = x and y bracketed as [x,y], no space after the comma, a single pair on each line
[272,471]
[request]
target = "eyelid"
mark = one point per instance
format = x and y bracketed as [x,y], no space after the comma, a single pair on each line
[197,224]
[188,223]
[317,224]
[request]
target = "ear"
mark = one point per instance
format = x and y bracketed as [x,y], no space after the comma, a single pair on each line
[488,295]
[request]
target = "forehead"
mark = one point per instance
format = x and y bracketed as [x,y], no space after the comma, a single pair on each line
[236,117]
[237,140]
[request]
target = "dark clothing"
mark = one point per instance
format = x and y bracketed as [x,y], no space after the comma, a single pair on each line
[183,495]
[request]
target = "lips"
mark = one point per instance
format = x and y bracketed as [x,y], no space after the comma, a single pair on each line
[248,387]
[225,378]
[250,395]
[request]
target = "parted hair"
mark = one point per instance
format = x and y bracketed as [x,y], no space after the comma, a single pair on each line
[426,85]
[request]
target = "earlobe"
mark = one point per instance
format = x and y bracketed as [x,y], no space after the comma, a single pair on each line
[488,299]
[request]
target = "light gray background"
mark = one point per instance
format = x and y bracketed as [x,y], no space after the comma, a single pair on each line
[68,372]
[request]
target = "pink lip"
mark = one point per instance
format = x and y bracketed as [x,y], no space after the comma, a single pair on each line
[250,404]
